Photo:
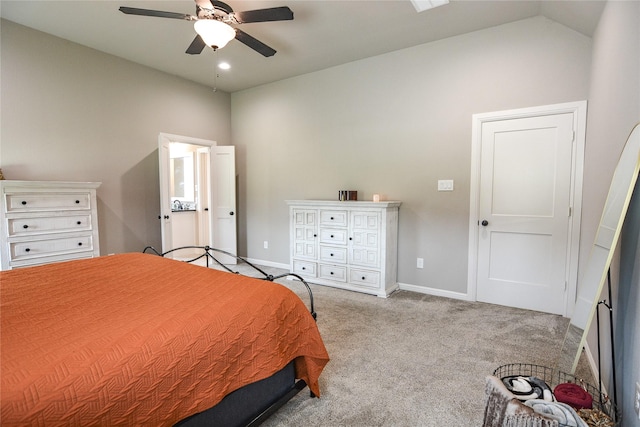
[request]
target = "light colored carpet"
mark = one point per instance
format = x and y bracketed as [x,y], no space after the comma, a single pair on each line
[413,359]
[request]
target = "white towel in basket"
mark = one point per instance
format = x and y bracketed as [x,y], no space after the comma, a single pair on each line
[563,413]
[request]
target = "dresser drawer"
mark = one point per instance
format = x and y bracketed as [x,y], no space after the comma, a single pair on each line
[366,278]
[333,236]
[32,225]
[336,218]
[304,268]
[47,247]
[31,202]
[333,254]
[32,262]
[333,272]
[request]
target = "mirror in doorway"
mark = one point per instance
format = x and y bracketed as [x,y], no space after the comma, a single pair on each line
[183,187]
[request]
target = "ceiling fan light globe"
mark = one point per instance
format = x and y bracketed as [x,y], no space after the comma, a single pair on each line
[214,33]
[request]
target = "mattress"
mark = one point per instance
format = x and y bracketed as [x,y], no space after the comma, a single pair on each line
[136,339]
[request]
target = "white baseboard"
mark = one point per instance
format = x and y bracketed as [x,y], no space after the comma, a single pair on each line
[268,263]
[434,292]
[593,364]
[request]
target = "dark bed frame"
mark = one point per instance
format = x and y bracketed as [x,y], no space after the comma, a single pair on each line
[254,403]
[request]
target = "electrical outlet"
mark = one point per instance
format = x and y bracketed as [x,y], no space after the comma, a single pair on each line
[636,402]
[420,263]
[445,185]
[266,244]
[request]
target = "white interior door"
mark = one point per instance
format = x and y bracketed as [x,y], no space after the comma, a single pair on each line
[164,160]
[203,208]
[524,212]
[224,200]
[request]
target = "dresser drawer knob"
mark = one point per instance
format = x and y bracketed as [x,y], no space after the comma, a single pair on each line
[27,250]
[79,222]
[25,226]
[331,218]
[331,273]
[363,278]
[79,243]
[304,268]
[77,202]
[332,236]
[24,202]
[331,254]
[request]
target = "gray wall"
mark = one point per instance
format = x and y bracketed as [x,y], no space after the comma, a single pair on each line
[394,124]
[614,108]
[72,113]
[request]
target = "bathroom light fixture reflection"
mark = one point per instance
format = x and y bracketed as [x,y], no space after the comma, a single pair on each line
[214,33]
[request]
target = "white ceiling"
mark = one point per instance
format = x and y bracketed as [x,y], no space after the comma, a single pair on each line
[324,33]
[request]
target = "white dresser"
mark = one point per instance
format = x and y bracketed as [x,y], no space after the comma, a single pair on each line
[46,221]
[349,245]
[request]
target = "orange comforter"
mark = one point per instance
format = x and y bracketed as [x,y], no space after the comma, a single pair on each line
[137,339]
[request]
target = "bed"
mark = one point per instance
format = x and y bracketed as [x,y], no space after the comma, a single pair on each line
[138,339]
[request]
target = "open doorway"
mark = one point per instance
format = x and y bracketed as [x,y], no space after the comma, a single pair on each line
[197,194]
[188,192]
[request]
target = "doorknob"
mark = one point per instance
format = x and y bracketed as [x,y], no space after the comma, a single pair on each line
[484,222]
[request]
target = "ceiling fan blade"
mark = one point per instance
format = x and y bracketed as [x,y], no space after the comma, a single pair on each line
[264,15]
[196,46]
[156,13]
[254,43]
[218,4]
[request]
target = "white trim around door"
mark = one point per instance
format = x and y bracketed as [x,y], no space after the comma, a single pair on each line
[579,111]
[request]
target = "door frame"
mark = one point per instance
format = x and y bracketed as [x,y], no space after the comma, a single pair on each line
[165,205]
[579,111]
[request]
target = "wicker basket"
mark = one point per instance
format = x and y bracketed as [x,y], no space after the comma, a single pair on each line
[554,377]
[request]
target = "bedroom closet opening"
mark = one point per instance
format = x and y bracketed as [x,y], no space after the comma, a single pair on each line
[197,195]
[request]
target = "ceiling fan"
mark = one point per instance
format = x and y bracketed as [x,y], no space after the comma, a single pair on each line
[214,24]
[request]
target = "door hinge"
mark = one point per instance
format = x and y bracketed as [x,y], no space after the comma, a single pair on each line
[569,211]
[565,285]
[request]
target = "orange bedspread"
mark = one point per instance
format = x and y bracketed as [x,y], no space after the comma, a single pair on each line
[137,339]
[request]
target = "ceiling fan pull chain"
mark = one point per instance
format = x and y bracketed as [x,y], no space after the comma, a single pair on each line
[215,69]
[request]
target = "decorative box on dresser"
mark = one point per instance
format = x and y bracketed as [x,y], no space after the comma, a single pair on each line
[46,221]
[346,244]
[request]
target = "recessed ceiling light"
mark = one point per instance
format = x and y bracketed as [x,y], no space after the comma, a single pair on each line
[422,5]
[224,66]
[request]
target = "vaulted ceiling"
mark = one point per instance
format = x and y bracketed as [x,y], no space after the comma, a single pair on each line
[323,33]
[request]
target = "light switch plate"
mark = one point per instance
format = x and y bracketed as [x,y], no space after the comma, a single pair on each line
[445,185]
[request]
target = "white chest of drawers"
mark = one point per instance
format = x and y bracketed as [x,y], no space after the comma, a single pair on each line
[350,245]
[46,221]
